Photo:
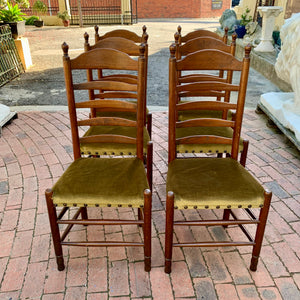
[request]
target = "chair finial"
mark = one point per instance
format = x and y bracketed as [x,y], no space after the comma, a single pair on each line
[145,37]
[86,37]
[247,51]
[144,29]
[234,37]
[176,36]
[96,27]
[179,29]
[65,48]
[142,49]
[226,30]
[173,50]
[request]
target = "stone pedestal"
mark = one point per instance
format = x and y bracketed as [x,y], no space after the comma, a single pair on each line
[269,13]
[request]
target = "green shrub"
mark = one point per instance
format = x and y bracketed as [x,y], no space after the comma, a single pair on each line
[30,20]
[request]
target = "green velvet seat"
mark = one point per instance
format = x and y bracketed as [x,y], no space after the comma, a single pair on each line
[210,183]
[102,182]
[112,148]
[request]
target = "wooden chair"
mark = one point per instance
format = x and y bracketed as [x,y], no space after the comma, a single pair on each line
[211,183]
[127,34]
[106,181]
[131,48]
[186,50]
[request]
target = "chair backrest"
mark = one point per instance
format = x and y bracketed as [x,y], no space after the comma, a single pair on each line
[201,43]
[121,44]
[200,33]
[117,43]
[109,97]
[206,60]
[127,34]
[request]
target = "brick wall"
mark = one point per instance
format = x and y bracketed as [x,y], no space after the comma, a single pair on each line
[179,9]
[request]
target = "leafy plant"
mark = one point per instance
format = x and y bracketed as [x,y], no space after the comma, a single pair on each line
[30,20]
[11,13]
[245,17]
[64,15]
[39,8]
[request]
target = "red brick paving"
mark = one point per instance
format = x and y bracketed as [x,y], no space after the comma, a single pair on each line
[35,149]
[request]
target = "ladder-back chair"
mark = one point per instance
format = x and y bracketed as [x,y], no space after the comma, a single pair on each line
[195,77]
[131,48]
[98,182]
[205,182]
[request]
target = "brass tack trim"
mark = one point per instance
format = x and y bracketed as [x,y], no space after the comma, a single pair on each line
[85,205]
[97,153]
[218,206]
[55,205]
[175,207]
[185,207]
[119,205]
[206,206]
[75,204]
[141,206]
[108,205]
[228,206]
[129,153]
[261,205]
[129,205]
[97,205]
[249,206]
[113,153]
[240,206]
[105,153]
[121,153]
[89,152]
[195,207]
[64,204]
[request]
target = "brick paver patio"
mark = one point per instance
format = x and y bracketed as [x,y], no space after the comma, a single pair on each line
[36,148]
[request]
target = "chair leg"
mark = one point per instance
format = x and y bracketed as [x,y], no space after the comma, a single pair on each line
[244,153]
[226,215]
[147,229]
[55,231]
[260,231]
[140,215]
[84,214]
[169,232]
[149,124]
[150,164]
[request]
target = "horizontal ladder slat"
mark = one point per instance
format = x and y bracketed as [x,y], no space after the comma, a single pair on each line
[206,139]
[108,138]
[107,121]
[210,122]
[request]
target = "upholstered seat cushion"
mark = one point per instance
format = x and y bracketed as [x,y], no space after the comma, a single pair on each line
[205,148]
[102,182]
[112,148]
[213,183]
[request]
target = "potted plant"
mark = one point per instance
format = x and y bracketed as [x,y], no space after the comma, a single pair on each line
[65,17]
[240,29]
[13,16]
[39,8]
